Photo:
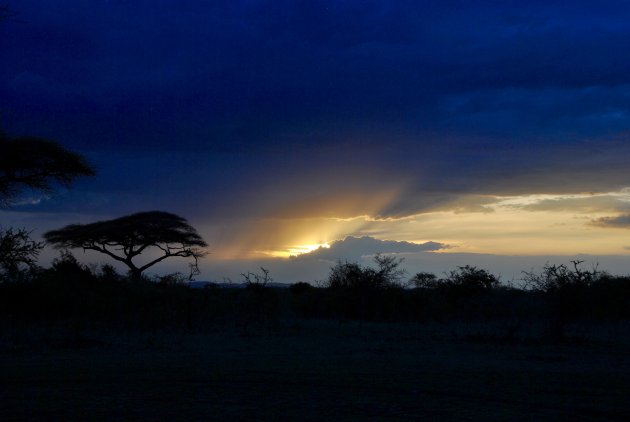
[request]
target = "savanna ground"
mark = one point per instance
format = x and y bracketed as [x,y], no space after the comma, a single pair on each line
[317,370]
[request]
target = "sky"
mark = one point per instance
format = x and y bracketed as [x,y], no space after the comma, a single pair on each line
[292,134]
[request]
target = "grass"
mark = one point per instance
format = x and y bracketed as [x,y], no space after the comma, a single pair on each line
[314,370]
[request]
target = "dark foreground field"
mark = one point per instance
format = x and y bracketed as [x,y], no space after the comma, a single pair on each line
[317,370]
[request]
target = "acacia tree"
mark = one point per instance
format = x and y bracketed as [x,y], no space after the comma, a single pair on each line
[124,238]
[35,164]
[31,164]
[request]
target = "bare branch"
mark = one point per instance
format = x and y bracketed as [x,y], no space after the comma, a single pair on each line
[17,250]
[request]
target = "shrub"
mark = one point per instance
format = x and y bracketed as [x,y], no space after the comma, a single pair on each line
[471,278]
[555,278]
[171,279]
[366,293]
[257,280]
[67,269]
[107,273]
[350,275]
[424,280]
[466,279]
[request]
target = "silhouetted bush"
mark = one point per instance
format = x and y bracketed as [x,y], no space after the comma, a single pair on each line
[465,293]
[66,269]
[171,279]
[464,280]
[424,280]
[257,281]
[366,293]
[471,279]
[572,295]
[350,275]
[72,294]
[555,278]
[108,274]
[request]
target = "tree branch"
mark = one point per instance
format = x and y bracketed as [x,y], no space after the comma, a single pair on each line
[104,250]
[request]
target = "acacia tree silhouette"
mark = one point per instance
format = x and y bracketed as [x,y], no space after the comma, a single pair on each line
[125,238]
[31,164]
[35,164]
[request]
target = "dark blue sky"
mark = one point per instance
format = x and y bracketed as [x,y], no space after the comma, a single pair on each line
[234,109]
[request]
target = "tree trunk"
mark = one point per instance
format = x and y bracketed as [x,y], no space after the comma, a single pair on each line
[136,273]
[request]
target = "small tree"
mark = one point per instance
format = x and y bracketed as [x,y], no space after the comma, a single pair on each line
[67,269]
[257,280]
[388,270]
[350,275]
[123,239]
[556,278]
[424,280]
[471,278]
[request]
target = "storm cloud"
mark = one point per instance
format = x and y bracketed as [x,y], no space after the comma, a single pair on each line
[252,118]
[433,99]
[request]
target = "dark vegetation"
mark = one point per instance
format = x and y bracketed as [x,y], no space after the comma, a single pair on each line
[71,294]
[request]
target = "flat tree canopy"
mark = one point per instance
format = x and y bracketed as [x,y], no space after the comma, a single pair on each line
[29,163]
[125,238]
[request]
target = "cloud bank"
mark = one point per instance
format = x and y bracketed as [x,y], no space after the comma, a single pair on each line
[619,221]
[353,248]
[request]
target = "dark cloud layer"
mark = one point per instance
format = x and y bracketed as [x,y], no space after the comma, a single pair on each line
[353,248]
[230,108]
[586,204]
[619,221]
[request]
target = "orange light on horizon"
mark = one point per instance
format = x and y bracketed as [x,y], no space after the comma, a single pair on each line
[506,225]
[295,250]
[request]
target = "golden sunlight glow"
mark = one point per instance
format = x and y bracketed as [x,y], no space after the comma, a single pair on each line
[298,250]
[504,225]
[295,250]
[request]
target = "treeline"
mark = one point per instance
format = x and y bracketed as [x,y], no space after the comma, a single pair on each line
[72,294]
